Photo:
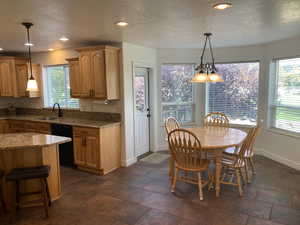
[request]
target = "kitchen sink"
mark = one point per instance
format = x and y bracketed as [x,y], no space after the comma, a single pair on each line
[48,118]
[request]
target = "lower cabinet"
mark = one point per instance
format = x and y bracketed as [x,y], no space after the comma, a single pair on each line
[97,150]
[16,126]
[4,126]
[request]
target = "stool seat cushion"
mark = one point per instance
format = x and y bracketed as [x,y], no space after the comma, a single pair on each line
[28,173]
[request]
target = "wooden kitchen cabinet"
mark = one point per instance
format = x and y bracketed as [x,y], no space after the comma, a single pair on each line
[7,77]
[79,150]
[98,70]
[14,73]
[16,126]
[80,85]
[97,150]
[4,126]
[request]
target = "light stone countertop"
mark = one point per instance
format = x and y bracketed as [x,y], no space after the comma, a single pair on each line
[62,120]
[19,141]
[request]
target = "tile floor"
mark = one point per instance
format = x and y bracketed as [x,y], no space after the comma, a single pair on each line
[139,195]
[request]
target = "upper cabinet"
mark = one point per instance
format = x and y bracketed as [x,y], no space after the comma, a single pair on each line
[96,73]
[14,74]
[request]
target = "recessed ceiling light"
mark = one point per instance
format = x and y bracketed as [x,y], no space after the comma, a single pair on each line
[50,49]
[64,38]
[28,44]
[1,49]
[122,23]
[222,5]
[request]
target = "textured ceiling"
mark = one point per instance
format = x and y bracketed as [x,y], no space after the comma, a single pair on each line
[153,23]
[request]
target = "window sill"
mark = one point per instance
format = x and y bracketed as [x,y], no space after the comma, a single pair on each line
[246,126]
[283,132]
[189,124]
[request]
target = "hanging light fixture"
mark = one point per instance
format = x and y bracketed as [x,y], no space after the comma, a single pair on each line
[207,72]
[31,83]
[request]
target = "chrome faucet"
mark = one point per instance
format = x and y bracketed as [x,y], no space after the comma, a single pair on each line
[60,112]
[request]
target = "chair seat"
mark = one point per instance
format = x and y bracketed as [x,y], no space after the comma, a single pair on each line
[233,162]
[232,151]
[235,151]
[200,165]
[28,173]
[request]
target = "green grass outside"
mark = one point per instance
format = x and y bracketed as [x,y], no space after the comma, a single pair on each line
[282,114]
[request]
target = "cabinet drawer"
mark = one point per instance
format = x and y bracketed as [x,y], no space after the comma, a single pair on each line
[86,131]
[16,124]
[38,127]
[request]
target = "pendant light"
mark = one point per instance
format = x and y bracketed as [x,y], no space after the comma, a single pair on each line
[31,83]
[207,72]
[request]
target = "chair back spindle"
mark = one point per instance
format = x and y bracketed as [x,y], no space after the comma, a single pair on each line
[216,119]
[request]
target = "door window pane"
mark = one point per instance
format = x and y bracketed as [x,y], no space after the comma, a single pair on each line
[140,94]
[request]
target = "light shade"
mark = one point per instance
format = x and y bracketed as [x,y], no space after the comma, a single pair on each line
[32,85]
[200,78]
[214,77]
[222,5]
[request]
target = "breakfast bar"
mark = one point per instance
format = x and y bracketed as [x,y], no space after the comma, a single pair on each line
[20,150]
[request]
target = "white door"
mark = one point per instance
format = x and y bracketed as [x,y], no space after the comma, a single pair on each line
[142,112]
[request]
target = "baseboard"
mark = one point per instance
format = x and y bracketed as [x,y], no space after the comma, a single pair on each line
[160,148]
[278,158]
[129,162]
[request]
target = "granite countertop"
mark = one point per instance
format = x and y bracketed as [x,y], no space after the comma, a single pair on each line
[19,141]
[62,120]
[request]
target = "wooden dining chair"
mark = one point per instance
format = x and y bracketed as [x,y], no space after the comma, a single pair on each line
[249,153]
[232,165]
[171,124]
[188,155]
[216,119]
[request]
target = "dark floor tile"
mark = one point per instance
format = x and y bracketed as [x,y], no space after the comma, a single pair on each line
[156,217]
[256,221]
[123,211]
[253,208]
[285,215]
[275,197]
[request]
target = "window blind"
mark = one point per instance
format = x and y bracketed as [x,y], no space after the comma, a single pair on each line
[237,96]
[57,87]
[285,106]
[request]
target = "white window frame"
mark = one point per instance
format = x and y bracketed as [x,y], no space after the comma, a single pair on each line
[207,94]
[46,86]
[273,84]
[192,103]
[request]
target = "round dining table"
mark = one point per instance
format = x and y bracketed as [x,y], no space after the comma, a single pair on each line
[215,140]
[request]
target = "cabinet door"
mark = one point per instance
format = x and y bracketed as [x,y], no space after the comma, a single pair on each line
[112,74]
[6,78]
[85,74]
[22,77]
[92,151]
[4,127]
[75,82]
[79,150]
[98,71]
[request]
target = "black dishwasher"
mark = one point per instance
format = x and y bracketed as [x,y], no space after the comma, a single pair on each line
[66,154]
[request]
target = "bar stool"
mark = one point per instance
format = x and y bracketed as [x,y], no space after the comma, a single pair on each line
[21,174]
[2,203]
